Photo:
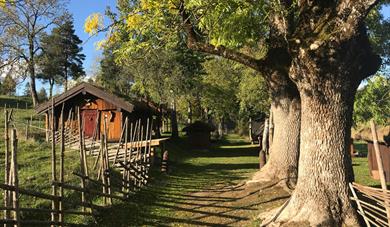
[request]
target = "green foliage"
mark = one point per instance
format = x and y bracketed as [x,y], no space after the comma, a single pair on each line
[8,86]
[22,24]
[373,102]
[42,95]
[379,32]
[112,76]
[61,57]
[252,94]
[27,90]
[220,84]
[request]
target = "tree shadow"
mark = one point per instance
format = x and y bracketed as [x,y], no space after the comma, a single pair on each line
[194,193]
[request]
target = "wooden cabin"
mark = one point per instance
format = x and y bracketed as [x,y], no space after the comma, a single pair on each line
[95,104]
[199,134]
[384,148]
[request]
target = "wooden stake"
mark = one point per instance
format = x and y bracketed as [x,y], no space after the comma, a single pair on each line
[146,140]
[15,178]
[101,169]
[125,158]
[380,166]
[359,205]
[53,162]
[62,154]
[107,161]
[6,165]
[120,142]
[130,156]
[81,147]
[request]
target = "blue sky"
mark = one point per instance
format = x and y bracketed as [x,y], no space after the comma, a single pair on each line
[80,10]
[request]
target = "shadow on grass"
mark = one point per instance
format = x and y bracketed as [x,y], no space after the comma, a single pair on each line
[167,195]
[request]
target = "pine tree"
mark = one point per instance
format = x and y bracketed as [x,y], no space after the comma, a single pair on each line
[61,58]
[27,91]
[9,85]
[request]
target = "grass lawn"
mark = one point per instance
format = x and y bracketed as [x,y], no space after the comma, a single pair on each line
[162,202]
[197,191]
[360,166]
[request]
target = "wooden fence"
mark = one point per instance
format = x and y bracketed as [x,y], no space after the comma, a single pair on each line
[373,203]
[119,170]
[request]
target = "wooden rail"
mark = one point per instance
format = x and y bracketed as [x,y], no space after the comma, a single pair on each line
[131,157]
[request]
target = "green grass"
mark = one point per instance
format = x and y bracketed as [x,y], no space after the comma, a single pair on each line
[360,166]
[230,160]
[190,171]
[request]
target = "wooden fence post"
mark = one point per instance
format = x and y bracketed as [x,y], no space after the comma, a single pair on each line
[130,155]
[106,161]
[125,172]
[15,178]
[82,164]
[27,128]
[6,165]
[53,164]
[380,166]
[62,154]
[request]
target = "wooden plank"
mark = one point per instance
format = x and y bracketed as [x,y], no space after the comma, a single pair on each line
[79,189]
[29,192]
[380,166]
[359,205]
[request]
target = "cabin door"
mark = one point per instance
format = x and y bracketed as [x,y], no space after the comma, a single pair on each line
[90,125]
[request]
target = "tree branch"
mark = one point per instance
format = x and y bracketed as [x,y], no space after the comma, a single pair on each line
[351,13]
[194,43]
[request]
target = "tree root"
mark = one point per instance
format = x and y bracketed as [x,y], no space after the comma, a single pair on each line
[307,213]
[269,174]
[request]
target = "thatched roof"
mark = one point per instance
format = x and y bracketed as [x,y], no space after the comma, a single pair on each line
[365,134]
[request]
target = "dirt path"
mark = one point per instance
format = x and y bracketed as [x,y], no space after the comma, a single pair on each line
[229,205]
[202,188]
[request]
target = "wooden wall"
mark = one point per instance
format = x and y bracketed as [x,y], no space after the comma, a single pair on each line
[372,164]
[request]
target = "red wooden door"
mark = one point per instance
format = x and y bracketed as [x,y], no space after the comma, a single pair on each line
[89,119]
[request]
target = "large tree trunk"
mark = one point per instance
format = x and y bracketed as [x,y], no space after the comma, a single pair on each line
[51,85]
[321,195]
[33,89]
[327,78]
[283,158]
[31,69]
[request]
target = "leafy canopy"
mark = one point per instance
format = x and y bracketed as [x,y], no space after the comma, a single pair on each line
[373,102]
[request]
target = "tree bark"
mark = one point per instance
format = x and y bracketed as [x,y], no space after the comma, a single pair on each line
[321,195]
[51,85]
[33,90]
[31,69]
[282,164]
[327,78]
